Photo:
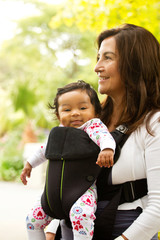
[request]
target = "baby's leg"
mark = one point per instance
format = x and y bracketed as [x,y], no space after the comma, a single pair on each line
[50,236]
[36,221]
[51,229]
[82,214]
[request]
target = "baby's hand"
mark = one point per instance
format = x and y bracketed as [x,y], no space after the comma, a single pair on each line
[105,158]
[26,172]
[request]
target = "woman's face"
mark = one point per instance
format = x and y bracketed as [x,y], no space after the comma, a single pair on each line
[110,82]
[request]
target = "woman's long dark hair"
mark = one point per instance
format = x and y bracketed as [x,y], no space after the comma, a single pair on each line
[139,67]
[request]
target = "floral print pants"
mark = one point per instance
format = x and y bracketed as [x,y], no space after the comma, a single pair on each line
[82,216]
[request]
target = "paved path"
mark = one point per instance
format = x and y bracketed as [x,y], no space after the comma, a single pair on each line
[15,201]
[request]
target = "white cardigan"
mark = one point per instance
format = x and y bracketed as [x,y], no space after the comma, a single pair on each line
[140,158]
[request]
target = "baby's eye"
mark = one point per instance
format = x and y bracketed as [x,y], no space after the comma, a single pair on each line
[83,108]
[67,110]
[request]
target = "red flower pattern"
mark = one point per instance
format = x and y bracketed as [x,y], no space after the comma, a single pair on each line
[77,225]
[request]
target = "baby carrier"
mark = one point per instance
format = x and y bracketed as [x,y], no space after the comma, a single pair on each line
[71,169]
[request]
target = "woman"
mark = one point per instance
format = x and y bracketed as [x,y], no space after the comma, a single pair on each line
[128,67]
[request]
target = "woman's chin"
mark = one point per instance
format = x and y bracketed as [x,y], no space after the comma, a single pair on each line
[101,90]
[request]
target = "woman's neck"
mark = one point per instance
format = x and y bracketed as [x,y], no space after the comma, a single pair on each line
[116,114]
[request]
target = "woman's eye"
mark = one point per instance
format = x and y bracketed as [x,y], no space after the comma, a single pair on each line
[107,57]
[98,57]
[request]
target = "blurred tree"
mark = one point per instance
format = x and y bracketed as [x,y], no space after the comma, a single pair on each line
[97,15]
[33,64]
[38,59]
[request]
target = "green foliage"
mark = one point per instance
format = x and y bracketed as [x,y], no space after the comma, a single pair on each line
[97,15]
[33,71]
[11,160]
[11,168]
[10,119]
[23,97]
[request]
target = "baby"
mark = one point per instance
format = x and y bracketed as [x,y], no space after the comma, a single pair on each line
[76,105]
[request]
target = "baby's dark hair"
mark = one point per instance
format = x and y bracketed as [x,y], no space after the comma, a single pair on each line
[82,85]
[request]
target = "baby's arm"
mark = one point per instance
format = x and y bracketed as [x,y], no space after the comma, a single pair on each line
[33,161]
[99,133]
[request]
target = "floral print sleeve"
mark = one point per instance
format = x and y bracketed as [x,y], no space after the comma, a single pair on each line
[99,133]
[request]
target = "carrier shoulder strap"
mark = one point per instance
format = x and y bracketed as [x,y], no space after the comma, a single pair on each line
[106,191]
[120,137]
[131,190]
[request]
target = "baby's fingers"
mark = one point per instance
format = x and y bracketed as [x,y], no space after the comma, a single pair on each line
[105,160]
[23,179]
[24,175]
[102,162]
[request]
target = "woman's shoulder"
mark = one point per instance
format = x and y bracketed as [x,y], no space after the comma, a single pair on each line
[141,136]
[154,120]
[153,124]
[156,116]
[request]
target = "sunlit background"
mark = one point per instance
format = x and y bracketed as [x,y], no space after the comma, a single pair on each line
[44,45]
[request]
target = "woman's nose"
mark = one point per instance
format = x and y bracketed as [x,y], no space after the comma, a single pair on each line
[98,68]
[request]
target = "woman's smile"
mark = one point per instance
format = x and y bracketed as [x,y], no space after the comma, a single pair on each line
[103,79]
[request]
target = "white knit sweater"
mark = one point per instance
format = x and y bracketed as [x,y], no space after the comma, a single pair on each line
[140,158]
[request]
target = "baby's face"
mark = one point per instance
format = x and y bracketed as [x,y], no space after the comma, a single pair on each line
[75,108]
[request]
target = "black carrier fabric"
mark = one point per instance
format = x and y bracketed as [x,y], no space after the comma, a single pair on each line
[72,169]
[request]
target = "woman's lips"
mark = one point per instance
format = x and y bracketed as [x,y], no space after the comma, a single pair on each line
[103,79]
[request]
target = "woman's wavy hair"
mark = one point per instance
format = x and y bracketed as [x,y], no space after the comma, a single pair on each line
[139,67]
